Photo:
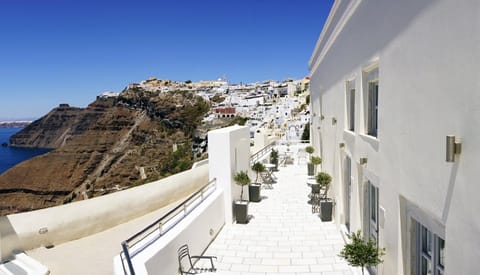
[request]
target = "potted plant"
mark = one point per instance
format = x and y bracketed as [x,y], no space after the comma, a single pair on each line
[326,205]
[315,161]
[241,206]
[310,150]
[360,252]
[274,158]
[254,188]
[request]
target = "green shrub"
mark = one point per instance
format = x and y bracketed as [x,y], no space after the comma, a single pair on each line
[360,252]
[241,178]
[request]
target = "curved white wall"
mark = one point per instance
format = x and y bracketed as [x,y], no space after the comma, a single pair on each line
[79,219]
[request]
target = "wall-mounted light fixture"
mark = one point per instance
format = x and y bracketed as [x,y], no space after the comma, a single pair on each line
[318,128]
[322,117]
[363,161]
[314,114]
[334,121]
[454,147]
[341,145]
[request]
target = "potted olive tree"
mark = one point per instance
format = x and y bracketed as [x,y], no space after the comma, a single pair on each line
[315,161]
[310,150]
[274,158]
[254,188]
[360,252]
[326,205]
[241,206]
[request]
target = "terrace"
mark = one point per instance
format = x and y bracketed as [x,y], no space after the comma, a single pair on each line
[283,236]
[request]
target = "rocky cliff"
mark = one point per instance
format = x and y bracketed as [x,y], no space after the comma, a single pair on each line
[113,144]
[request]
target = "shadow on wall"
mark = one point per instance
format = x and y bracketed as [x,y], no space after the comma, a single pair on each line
[352,47]
[451,187]
[8,237]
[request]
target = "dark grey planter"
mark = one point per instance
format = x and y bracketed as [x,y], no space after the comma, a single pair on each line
[254,192]
[241,211]
[316,188]
[326,207]
[310,169]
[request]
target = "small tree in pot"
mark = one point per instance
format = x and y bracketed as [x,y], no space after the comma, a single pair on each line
[274,158]
[254,189]
[315,162]
[241,207]
[310,150]
[360,252]
[326,205]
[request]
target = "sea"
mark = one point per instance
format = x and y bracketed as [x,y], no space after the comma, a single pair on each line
[10,156]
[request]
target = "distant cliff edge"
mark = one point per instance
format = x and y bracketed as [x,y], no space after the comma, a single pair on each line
[114,143]
[14,124]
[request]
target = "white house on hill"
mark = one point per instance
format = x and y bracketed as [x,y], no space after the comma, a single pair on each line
[390,80]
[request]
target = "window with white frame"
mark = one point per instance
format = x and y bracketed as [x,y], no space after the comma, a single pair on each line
[429,251]
[350,104]
[371,98]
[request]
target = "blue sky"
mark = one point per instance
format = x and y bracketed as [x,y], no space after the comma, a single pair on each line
[69,51]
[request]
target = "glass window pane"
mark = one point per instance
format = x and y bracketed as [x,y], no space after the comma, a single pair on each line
[441,252]
[426,241]
[373,200]
[426,267]
[352,110]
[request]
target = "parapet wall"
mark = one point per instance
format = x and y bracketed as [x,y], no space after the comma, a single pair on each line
[56,225]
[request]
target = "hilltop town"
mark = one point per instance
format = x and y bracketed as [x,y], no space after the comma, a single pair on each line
[150,130]
[272,106]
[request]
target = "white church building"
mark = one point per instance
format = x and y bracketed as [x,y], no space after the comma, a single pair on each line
[395,112]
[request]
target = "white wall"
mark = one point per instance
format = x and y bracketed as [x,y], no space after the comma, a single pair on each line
[228,153]
[197,230]
[428,55]
[20,232]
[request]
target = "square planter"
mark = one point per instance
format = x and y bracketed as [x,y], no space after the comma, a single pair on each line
[310,169]
[254,192]
[241,211]
[326,207]
[316,188]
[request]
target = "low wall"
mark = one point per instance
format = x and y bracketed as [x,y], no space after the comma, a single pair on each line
[198,229]
[55,225]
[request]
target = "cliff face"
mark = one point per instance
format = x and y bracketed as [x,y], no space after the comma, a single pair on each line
[113,144]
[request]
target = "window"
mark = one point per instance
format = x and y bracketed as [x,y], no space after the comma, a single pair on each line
[372,217]
[429,251]
[372,102]
[350,104]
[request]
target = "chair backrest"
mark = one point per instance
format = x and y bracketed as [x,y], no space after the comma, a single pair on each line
[184,260]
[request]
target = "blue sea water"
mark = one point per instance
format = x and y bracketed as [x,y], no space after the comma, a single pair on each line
[10,156]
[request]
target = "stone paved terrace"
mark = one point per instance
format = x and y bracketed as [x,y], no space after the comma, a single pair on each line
[283,236]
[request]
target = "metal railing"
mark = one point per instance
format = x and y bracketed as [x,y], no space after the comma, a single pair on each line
[141,240]
[258,155]
[294,142]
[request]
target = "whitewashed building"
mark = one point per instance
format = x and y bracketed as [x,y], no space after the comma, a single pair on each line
[390,80]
